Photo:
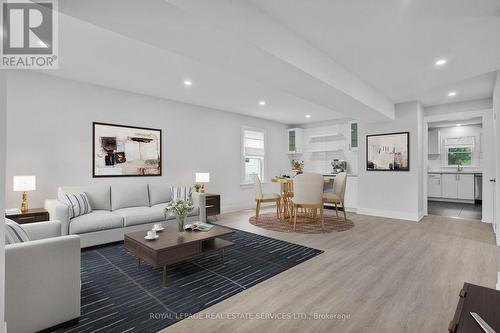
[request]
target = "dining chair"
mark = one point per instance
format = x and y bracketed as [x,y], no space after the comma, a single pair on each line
[264,197]
[308,194]
[337,195]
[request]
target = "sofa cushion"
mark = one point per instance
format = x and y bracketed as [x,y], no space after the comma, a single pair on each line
[95,221]
[129,195]
[159,193]
[161,208]
[182,193]
[14,233]
[78,203]
[99,195]
[140,215]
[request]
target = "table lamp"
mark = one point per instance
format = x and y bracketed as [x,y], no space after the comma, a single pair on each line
[24,184]
[202,178]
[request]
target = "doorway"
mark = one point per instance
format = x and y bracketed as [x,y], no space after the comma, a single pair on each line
[456,158]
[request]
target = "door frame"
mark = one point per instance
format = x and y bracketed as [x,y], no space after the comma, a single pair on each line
[488,159]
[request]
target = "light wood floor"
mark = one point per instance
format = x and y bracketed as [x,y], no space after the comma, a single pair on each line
[389,275]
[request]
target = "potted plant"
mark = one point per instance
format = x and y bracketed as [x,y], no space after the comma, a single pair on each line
[197,187]
[297,166]
[180,209]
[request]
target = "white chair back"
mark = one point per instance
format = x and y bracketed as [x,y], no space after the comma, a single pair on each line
[308,189]
[257,187]
[339,184]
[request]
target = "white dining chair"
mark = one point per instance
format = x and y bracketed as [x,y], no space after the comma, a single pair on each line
[308,194]
[264,197]
[338,193]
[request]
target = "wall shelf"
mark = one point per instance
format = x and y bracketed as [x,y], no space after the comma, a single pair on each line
[326,150]
[326,136]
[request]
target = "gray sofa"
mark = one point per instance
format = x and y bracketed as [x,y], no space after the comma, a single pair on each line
[118,209]
[42,279]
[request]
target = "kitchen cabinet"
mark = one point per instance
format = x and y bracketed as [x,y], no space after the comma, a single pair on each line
[465,187]
[434,142]
[458,186]
[351,193]
[449,186]
[434,189]
[295,140]
[353,143]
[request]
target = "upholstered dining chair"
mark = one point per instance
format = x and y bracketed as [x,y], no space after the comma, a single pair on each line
[308,194]
[264,197]
[337,196]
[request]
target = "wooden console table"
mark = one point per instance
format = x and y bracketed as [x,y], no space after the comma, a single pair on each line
[484,301]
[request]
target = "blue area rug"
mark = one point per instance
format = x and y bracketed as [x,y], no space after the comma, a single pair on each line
[117,298]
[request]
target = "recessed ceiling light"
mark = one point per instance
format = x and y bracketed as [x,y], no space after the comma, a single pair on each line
[441,62]
[458,125]
[262,103]
[188,83]
[452,94]
[308,116]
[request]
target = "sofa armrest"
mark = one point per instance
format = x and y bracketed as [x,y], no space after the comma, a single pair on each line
[199,200]
[42,278]
[42,230]
[58,211]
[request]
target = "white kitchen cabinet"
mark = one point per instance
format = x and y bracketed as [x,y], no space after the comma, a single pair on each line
[353,142]
[434,142]
[295,140]
[434,186]
[449,185]
[458,186]
[351,193]
[465,187]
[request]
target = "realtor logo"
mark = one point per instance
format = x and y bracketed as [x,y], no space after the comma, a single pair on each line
[29,34]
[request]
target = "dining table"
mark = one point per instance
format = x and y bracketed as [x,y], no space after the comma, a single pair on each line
[286,184]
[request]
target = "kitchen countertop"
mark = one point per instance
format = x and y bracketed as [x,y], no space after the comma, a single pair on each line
[457,172]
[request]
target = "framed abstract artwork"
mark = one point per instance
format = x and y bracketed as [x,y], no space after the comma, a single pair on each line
[388,152]
[125,151]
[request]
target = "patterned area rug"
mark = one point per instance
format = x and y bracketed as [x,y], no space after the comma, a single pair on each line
[332,223]
[117,298]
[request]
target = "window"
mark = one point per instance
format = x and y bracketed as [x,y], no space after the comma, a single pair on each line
[460,155]
[253,151]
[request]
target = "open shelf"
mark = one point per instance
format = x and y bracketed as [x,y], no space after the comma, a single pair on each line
[331,136]
[326,150]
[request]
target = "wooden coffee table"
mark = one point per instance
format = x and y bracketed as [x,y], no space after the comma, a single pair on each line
[172,247]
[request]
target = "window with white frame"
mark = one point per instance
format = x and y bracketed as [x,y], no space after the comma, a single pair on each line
[254,153]
[460,151]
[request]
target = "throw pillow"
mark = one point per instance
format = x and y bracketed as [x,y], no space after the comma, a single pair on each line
[181,193]
[14,233]
[78,204]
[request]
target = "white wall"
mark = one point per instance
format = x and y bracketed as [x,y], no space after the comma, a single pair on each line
[50,135]
[3,126]
[393,194]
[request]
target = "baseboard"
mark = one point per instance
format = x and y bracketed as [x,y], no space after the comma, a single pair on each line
[451,200]
[66,324]
[389,214]
[498,238]
[498,281]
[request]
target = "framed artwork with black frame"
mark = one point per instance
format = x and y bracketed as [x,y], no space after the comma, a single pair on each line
[388,152]
[125,151]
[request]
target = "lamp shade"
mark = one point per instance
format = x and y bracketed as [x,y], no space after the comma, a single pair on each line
[24,183]
[202,177]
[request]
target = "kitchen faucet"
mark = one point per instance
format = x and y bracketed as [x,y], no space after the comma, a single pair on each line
[459,167]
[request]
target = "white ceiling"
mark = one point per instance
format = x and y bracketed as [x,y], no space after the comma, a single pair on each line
[393,44]
[330,59]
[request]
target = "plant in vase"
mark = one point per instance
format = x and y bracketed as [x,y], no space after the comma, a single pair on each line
[297,166]
[197,187]
[180,209]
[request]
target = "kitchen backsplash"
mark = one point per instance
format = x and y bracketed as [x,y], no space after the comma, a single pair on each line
[322,144]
